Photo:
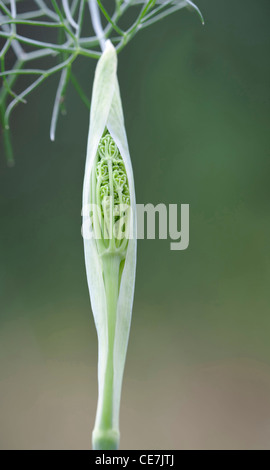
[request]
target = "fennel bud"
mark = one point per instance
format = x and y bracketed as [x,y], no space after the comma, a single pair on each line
[110,254]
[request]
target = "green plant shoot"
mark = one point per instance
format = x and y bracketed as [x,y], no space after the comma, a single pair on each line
[110,250]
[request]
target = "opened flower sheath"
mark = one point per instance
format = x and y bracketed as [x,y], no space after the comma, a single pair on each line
[109,232]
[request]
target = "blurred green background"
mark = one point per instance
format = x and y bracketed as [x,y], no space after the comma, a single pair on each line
[196,102]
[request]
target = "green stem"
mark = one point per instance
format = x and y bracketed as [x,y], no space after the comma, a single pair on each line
[106,432]
[6,136]
[79,90]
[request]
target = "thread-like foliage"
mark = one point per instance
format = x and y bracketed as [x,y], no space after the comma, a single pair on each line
[70,18]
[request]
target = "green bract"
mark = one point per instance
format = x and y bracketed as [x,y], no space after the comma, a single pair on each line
[110,251]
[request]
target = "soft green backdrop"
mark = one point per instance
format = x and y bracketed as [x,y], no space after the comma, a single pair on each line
[196,102]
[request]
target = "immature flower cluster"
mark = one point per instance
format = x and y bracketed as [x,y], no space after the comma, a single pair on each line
[111,174]
[111,198]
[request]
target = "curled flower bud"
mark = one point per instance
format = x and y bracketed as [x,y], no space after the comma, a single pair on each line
[110,254]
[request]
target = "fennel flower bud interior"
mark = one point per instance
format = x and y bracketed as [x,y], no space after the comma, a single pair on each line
[110,199]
